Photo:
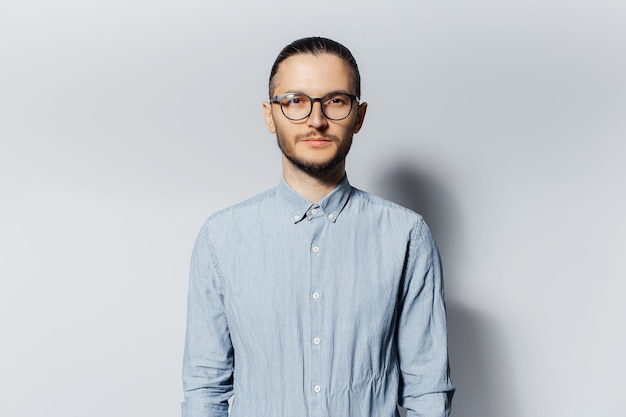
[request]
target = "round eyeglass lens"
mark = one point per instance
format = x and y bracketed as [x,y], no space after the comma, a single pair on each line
[296,106]
[337,106]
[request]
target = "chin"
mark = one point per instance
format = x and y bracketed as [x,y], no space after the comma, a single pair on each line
[316,167]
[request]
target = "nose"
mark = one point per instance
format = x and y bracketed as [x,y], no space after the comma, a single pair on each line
[317,119]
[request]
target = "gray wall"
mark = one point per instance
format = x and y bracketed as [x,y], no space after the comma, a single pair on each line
[123,124]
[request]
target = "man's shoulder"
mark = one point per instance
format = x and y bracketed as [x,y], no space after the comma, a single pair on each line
[243,208]
[376,202]
[393,218]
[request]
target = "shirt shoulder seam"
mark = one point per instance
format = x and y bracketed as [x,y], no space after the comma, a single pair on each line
[257,199]
[380,201]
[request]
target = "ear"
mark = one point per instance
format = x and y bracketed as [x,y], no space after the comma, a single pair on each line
[269,118]
[360,116]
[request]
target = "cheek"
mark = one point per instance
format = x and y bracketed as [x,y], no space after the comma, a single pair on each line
[285,130]
[350,128]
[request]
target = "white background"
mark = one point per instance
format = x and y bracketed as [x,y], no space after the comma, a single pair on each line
[124,124]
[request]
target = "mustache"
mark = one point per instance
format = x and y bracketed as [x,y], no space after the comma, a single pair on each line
[315,134]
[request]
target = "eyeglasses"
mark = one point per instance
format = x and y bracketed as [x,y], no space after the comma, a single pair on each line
[298,106]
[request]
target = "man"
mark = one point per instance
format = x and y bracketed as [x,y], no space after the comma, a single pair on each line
[315,299]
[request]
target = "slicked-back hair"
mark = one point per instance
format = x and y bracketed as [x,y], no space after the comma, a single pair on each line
[317,46]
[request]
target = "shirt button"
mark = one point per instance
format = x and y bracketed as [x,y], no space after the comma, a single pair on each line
[296,217]
[331,216]
[316,295]
[317,388]
[316,340]
[314,211]
[316,249]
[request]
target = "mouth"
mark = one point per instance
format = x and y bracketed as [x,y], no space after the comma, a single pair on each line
[317,141]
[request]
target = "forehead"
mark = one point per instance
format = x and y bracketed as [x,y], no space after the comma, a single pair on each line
[314,74]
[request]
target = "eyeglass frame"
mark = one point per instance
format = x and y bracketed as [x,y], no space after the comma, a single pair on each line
[279,99]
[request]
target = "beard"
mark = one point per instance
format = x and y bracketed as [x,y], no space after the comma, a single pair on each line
[315,168]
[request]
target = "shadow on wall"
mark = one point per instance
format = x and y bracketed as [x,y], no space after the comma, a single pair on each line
[479,361]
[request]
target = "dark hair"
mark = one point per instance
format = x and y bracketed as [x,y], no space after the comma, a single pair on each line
[317,46]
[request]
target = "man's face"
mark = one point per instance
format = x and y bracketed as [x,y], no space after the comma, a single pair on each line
[315,145]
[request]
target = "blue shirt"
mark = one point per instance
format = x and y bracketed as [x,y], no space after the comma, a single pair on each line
[334,309]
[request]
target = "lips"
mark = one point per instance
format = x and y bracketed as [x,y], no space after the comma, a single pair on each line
[317,140]
[316,144]
[316,137]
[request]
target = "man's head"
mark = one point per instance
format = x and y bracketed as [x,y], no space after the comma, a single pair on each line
[317,46]
[320,79]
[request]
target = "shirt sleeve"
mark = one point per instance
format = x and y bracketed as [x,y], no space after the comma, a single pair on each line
[208,355]
[425,387]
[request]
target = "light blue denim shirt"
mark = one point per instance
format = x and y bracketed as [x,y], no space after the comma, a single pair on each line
[334,309]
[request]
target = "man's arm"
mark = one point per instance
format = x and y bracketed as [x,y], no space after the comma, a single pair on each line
[208,358]
[425,386]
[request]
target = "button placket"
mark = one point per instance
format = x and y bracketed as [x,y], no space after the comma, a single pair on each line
[316,256]
[315,323]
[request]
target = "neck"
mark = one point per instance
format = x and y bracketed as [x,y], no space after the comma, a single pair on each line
[313,187]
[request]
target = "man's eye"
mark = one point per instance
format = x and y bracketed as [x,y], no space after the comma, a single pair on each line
[294,101]
[338,101]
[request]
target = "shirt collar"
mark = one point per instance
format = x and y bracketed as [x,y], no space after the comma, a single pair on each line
[299,208]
